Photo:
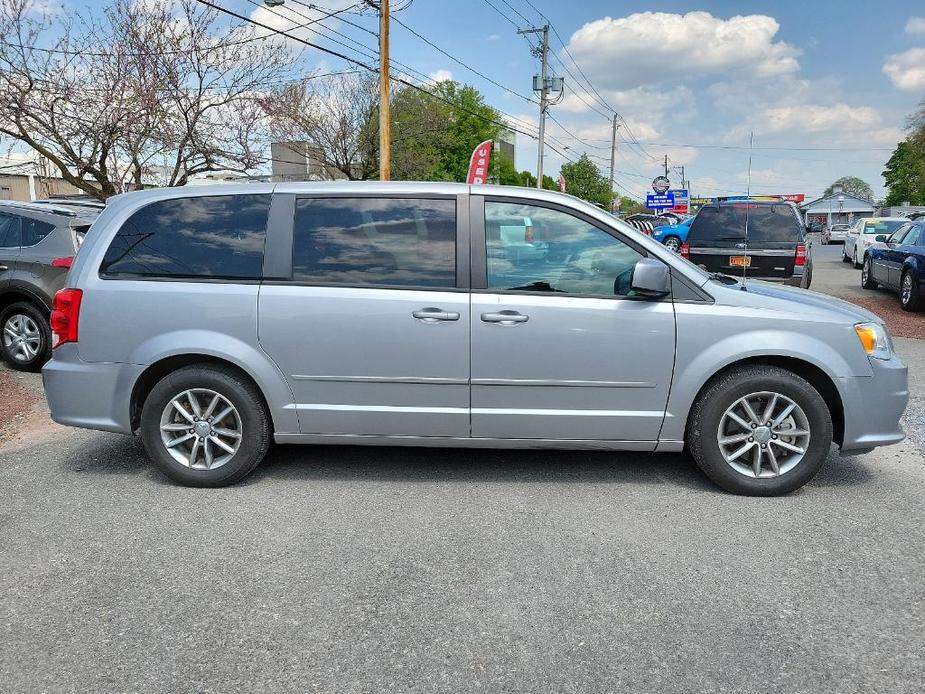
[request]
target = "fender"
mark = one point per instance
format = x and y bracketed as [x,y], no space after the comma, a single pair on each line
[254,362]
[691,376]
[19,287]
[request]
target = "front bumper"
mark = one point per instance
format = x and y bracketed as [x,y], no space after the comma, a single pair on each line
[873,406]
[89,395]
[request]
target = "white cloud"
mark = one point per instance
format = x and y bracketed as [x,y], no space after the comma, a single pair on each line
[650,47]
[441,75]
[915,25]
[810,118]
[907,70]
[493,37]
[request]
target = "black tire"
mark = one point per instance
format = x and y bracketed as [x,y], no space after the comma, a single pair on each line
[914,302]
[673,243]
[40,318]
[721,393]
[240,392]
[867,280]
[807,277]
[854,260]
[844,255]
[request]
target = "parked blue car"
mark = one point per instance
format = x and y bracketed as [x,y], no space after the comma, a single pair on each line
[898,263]
[673,235]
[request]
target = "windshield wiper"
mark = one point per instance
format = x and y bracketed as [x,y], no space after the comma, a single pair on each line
[729,238]
[724,278]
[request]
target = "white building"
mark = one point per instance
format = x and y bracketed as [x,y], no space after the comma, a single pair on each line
[837,208]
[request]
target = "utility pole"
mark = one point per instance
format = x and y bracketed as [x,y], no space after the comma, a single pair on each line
[544,92]
[613,150]
[666,165]
[385,119]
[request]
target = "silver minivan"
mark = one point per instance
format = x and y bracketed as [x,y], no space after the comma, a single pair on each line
[215,320]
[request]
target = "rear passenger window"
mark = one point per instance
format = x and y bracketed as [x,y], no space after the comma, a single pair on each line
[375,241]
[9,231]
[220,236]
[33,231]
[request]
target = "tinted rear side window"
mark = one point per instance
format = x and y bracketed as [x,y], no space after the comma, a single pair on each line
[33,231]
[375,241]
[766,223]
[219,236]
[9,231]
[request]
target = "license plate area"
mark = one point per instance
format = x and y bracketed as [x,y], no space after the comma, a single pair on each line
[740,261]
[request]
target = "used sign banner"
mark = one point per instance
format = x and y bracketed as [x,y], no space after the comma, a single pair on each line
[478,163]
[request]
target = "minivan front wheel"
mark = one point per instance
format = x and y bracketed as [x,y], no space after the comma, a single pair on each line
[205,426]
[760,430]
[25,337]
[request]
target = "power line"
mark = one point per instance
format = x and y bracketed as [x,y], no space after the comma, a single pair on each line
[461,63]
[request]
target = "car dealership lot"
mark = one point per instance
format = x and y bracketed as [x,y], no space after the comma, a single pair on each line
[370,569]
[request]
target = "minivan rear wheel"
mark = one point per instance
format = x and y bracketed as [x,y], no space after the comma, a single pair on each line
[205,426]
[760,430]
[25,337]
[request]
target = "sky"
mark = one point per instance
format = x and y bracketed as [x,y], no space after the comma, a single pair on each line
[822,88]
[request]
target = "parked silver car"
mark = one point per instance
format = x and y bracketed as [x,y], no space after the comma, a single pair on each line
[214,320]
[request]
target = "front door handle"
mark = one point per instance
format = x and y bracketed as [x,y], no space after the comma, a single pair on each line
[3,268]
[505,317]
[433,315]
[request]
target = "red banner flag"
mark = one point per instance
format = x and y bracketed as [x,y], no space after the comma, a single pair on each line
[478,163]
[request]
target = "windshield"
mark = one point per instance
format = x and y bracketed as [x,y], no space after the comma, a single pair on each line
[841,227]
[887,226]
[768,223]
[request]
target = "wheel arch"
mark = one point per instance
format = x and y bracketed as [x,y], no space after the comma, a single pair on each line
[15,293]
[808,371]
[167,365]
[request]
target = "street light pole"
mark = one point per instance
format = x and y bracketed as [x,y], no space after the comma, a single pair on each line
[385,119]
[544,98]
[613,150]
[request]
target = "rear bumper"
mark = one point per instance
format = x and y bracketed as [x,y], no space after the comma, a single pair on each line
[873,406]
[89,395]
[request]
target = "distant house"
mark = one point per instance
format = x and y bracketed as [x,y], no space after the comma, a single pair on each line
[837,208]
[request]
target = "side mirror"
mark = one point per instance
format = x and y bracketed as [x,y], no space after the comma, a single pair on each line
[651,278]
[882,238]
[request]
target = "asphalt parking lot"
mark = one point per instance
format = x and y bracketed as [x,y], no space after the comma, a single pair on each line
[349,569]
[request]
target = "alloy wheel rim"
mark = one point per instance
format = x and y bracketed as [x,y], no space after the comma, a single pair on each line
[673,244]
[907,289]
[201,429]
[865,270]
[22,338]
[763,434]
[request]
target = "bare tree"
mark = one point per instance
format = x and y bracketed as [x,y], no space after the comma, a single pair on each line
[332,118]
[109,98]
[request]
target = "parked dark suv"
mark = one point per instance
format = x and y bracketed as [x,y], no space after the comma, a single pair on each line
[38,242]
[775,249]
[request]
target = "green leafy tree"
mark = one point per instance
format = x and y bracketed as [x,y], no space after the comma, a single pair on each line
[584,180]
[852,185]
[630,206]
[905,175]
[905,171]
[435,131]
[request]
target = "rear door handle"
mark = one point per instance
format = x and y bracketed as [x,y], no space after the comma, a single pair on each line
[433,315]
[505,317]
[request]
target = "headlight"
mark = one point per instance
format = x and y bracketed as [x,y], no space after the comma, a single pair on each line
[874,339]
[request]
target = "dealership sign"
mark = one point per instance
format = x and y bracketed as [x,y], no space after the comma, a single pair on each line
[478,163]
[660,202]
[661,184]
[681,201]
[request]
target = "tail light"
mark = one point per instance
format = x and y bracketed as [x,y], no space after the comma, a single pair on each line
[62,263]
[65,315]
[800,258]
[686,251]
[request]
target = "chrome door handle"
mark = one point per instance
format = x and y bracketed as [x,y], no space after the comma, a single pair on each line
[3,268]
[505,317]
[432,315]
